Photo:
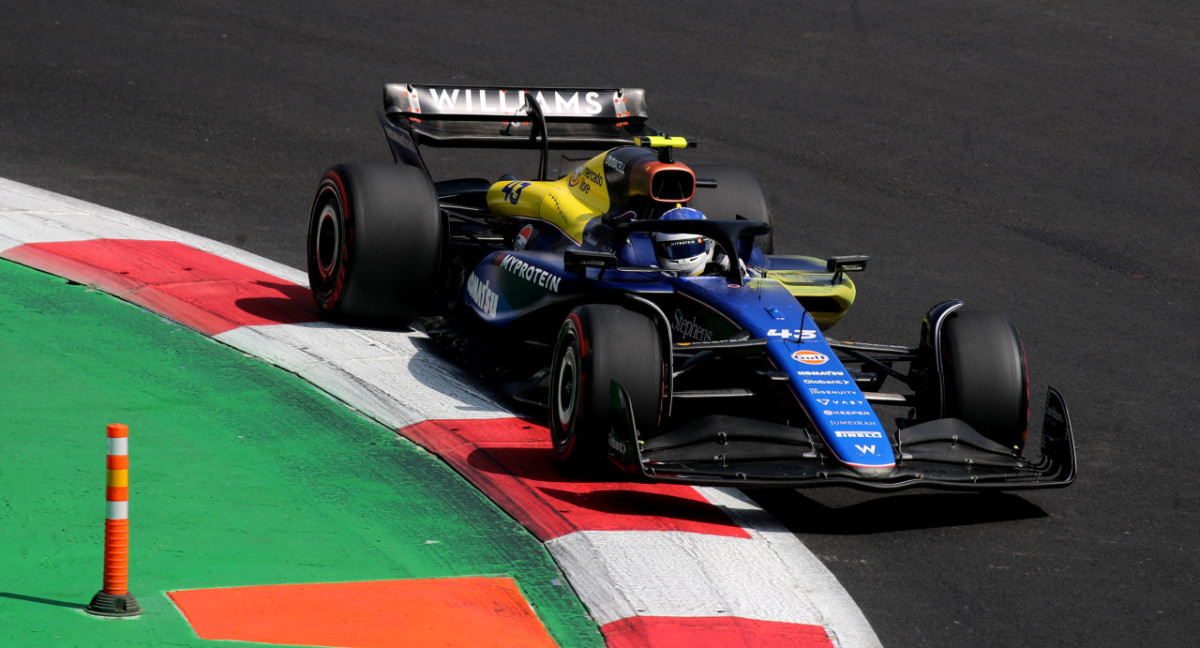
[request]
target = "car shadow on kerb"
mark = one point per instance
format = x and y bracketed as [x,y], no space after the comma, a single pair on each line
[293,305]
[840,511]
[608,494]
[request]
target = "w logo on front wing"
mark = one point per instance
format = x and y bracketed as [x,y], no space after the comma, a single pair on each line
[865,449]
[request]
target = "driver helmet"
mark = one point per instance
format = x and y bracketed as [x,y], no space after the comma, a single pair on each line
[684,253]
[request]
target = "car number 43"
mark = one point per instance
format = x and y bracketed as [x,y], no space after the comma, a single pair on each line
[790,334]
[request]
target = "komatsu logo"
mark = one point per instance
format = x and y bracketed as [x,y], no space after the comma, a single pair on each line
[530,273]
[483,295]
[508,102]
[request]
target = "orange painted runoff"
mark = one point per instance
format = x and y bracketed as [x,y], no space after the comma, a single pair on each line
[473,612]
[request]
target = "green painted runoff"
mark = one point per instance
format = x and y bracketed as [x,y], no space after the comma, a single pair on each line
[240,474]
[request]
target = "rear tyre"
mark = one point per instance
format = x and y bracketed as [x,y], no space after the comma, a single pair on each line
[376,243]
[985,376]
[597,344]
[738,193]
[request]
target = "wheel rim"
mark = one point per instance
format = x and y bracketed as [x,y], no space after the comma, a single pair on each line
[565,387]
[566,392]
[328,240]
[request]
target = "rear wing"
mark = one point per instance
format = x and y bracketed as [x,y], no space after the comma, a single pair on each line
[497,117]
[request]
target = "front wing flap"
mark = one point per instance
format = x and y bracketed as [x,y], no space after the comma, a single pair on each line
[743,452]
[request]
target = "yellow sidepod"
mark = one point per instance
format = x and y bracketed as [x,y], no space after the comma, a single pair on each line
[567,203]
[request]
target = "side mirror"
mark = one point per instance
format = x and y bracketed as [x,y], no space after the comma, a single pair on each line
[578,261]
[839,264]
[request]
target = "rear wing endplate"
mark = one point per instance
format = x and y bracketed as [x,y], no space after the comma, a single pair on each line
[496,117]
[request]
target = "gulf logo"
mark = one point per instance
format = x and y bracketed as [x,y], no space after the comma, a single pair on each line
[810,357]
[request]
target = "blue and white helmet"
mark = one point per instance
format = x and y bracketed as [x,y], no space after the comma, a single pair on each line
[686,254]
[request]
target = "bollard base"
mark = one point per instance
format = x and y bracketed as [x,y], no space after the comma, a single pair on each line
[113,605]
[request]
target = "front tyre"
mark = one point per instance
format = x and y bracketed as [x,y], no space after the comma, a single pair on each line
[598,344]
[375,244]
[985,378]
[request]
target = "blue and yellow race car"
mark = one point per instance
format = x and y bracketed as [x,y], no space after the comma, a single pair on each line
[638,300]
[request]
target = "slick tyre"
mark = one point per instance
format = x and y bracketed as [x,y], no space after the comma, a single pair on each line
[738,193]
[985,376]
[376,243]
[596,345]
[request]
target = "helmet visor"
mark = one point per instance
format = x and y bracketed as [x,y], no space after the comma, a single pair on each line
[681,248]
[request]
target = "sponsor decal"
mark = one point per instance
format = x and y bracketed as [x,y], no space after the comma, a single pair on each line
[504,102]
[531,273]
[523,238]
[691,329]
[853,434]
[593,176]
[614,164]
[832,392]
[793,334]
[810,357]
[584,178]
[824,381]
[827,372]
[617,445]
[482,294]
[847,413]
[401,138]
[865,449]
[683,242]
[402,145]
[594,241]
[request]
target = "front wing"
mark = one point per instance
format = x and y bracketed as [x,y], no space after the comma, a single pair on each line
[742,452]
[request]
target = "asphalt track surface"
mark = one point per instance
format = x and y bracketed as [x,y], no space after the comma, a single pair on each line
[1038,158]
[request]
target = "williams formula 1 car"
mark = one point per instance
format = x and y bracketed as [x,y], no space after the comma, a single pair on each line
[638,300]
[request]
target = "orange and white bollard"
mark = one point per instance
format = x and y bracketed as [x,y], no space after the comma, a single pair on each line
[114,600]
